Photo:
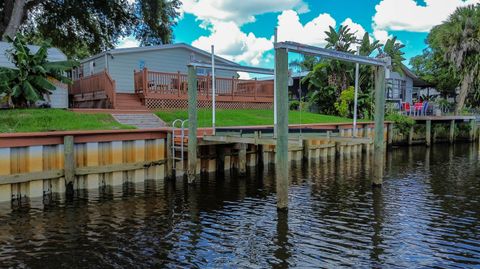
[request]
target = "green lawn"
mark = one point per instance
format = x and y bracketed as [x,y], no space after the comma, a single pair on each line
[44,120]
[247,117]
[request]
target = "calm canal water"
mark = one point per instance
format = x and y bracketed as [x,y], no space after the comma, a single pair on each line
[426,215]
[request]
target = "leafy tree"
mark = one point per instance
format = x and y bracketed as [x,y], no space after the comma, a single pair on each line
[393,49]
[434,70]
[457,41]
[341,40]
[77,27]
[30,81]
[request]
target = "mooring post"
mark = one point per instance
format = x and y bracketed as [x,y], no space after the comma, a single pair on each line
[281,156]
[192,125]
[169,156]
[473,129]
[390,134]
[428,133]
[410,136]
[451,136]
[242,158]
[378,143]
[69,163]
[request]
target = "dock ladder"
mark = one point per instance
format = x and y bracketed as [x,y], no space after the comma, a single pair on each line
[178,144]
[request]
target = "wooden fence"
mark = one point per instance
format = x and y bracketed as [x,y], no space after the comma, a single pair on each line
[94,87]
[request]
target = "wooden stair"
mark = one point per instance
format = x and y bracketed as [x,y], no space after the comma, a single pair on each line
[129,101]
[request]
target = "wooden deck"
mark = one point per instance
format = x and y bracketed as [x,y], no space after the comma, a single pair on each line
[160,90]
[445,118]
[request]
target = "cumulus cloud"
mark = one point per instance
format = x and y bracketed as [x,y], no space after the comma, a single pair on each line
[408,15]
[355,28]
[238,11]
[230,42]
[313,33]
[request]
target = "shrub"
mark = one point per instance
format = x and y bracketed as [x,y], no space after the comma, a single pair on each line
[401,122]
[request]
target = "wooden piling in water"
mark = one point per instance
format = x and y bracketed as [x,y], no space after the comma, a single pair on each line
[451,136]
[378,144]
[473,129]
[69,163]
[281,156]
[192,124]
[169,167]
[428,133]
[390,134]
[242,159]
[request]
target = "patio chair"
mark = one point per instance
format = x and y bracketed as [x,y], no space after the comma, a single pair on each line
[424,108]
[417,109]
[407,109]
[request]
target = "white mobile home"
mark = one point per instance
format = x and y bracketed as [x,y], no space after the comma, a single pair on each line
[59,97]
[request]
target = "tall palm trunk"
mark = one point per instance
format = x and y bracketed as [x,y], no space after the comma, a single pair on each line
[464,87]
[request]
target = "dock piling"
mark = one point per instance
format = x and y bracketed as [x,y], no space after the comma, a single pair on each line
[242,159]
[192,125]
[69,163]
[428,133]
[281,156]
[378,144]
[451,136]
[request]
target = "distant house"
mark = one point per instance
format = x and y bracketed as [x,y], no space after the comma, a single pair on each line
[401,87]
[155,77]
[59,97]
[171,58]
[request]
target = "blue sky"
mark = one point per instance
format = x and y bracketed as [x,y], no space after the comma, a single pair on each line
[242,30]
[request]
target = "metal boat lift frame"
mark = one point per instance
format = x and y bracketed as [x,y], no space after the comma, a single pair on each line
[281,98]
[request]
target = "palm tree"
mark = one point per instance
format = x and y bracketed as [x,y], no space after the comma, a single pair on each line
[393,49]
[30,81]
[341,40]
[457,40]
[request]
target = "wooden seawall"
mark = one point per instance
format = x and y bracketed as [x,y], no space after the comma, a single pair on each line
[33,165]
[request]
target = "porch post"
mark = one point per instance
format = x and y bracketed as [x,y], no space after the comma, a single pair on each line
[192,124]
[378,144]
[281,156]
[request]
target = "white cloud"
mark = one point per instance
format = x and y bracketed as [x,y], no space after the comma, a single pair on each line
[238,11]
[230,42]
[128,42]
[355,28]
[382,36]
[313,33]
[408,15]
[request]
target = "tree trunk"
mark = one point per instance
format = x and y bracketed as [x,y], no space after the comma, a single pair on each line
[16,17]
[464,87]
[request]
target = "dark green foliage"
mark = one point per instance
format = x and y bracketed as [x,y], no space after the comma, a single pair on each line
[401,122]
[329,78]
[456,45]
[82,28]
[30,82]
[155,19]
[431,68]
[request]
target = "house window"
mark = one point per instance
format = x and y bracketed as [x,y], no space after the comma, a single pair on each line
[202,71]
[396,89]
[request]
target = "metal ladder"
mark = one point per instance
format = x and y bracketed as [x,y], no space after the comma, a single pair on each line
[178,132]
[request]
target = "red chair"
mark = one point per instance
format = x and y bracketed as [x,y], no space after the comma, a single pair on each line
[406,108]
[418,107]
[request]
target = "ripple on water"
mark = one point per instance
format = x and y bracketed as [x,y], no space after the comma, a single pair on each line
[426,215]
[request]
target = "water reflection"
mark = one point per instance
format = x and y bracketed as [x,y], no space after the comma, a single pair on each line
[426,215]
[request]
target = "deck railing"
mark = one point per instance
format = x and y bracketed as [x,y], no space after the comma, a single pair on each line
[152,84]
[94,85]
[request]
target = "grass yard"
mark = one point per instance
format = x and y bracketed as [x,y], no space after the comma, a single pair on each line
[45,120]
[247,117]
